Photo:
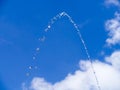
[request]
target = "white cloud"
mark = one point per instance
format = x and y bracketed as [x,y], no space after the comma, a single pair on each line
[114,59]
[108,76]
[112,2]
[113,28]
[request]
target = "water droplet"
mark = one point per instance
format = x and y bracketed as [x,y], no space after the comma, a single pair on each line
[49,26]
[46,29]
[34,58]
[61,14]
[37,49]
[42,39]
[30,67]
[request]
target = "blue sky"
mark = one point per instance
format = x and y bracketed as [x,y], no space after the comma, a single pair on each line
[23,23]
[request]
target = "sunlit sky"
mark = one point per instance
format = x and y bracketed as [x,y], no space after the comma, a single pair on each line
[23,23]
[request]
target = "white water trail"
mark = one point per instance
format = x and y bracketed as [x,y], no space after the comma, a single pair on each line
[63,14]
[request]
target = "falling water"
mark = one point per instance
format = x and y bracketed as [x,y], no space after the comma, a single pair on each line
[43,38]
[63,14]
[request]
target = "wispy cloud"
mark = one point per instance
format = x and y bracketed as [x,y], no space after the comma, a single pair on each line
[113,28]
[112,2]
